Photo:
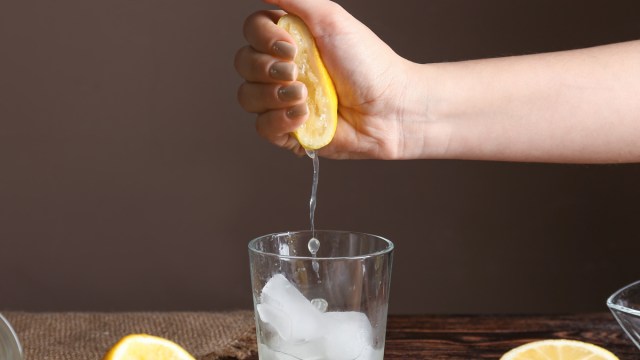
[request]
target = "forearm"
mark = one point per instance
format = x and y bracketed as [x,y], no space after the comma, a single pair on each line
[573,106]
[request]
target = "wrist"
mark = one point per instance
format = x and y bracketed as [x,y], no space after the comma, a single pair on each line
[426,133]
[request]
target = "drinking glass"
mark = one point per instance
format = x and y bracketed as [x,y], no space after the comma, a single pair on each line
[329,306]
[10,348]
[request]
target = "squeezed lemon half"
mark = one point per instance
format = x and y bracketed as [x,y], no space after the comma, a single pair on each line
[146,347]
[318,130]
[558,350]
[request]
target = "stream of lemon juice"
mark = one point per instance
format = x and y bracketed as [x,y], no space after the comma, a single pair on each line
[314,243]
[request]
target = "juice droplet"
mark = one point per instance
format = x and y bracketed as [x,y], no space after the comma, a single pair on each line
[313,245]
[310,153]
[320,304]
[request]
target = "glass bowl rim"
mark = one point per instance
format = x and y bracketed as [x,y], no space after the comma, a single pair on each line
[388,249]
[612,305]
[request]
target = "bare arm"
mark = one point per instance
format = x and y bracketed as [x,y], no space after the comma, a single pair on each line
[572,106]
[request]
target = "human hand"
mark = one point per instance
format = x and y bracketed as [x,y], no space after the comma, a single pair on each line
[371,81]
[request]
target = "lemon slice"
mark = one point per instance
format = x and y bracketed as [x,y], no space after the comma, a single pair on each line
[558,350]
[321,125]
[146,347]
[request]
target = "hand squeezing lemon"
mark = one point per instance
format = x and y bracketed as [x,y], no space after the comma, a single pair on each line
[322,100]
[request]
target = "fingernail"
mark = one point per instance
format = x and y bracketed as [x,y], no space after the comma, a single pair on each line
[291,92]
[284,50]
[297,111]
[283,71]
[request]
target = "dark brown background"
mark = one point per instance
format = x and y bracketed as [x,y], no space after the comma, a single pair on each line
[131,180]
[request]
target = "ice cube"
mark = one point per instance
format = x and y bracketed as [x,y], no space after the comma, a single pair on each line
[286,310]
[348,335]
[302,331]
[308,350]
[370,353]
[276,319]
[320,304]
[265,353]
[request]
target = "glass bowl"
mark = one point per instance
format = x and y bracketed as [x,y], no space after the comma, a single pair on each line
[10,348]
[625,306]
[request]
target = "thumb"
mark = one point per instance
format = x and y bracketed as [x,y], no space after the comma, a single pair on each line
[315,13]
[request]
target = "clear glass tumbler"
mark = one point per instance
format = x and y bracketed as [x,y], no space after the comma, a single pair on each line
[329,306]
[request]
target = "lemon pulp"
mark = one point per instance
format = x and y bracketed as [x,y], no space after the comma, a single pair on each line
[559,350]
[146,347]
[318,130]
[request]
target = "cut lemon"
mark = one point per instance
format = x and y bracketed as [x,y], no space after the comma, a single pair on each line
[146,347]
[322,101]
[558,350]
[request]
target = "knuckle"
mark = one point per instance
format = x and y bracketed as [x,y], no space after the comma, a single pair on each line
[243,99]
[248,23]
[250,65]
[261,128]
[265,126]
[252,21]
[238,58]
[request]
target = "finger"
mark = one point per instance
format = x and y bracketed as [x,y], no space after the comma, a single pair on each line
[254,66]
[265,36]
[258,98]
[276,126]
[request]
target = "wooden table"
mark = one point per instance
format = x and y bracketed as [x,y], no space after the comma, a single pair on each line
[80,336]
[488,337]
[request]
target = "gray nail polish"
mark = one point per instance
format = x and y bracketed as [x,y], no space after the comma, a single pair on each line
[283,71]
[297,111]
[291,92]
[284,50]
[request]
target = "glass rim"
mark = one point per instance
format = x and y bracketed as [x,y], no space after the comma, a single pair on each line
[388,249]
[613,305]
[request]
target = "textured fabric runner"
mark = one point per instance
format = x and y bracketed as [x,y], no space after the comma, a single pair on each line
[88,336]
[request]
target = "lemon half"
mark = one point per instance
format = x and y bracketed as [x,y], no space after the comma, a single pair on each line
[146,347]
[322,101]
[558,350]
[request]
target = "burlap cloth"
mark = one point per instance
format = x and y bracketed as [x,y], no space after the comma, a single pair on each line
[87,336]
